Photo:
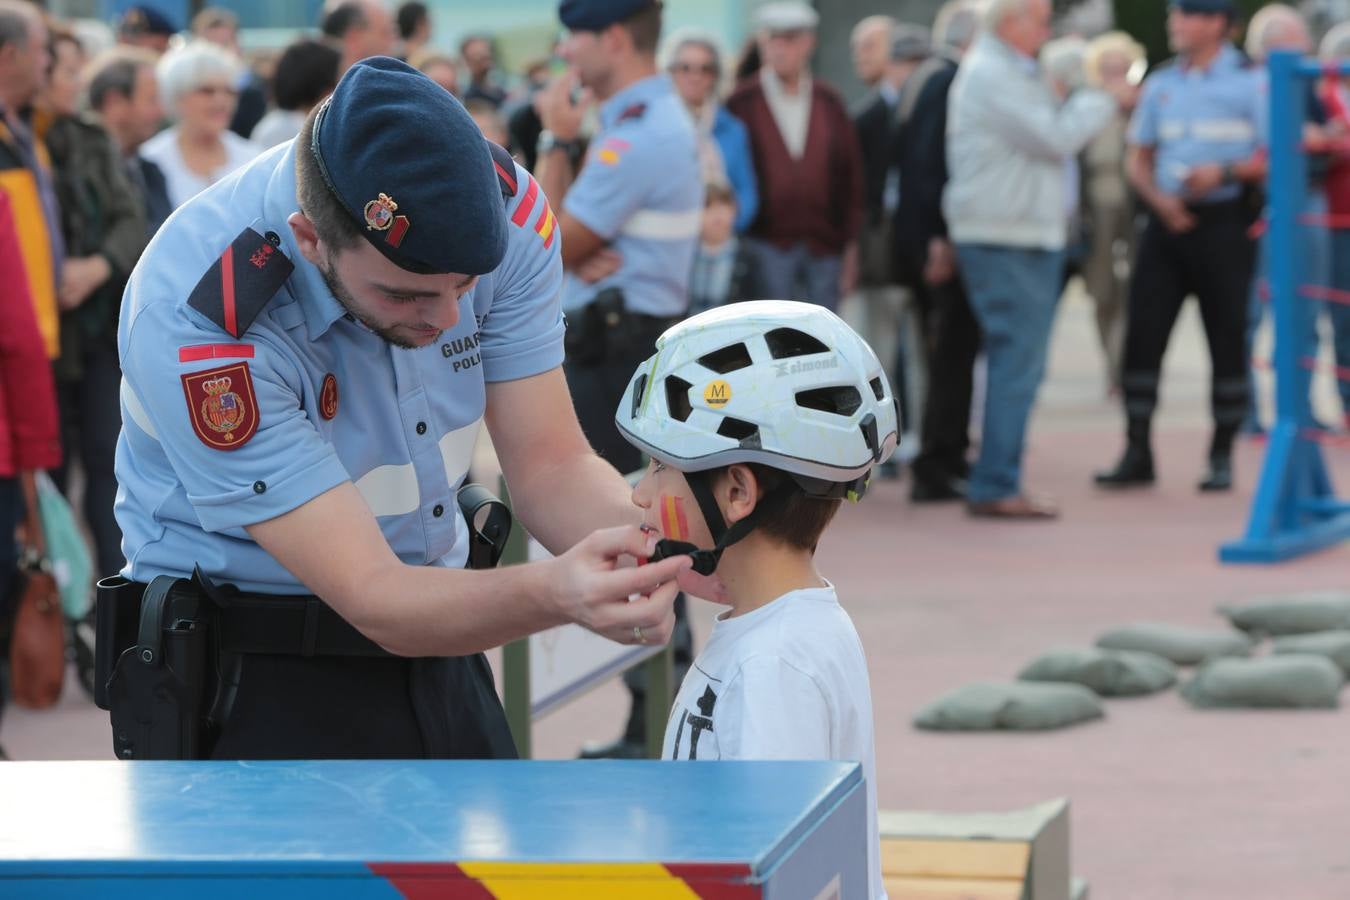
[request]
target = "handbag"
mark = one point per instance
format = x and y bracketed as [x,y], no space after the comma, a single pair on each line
[37,648]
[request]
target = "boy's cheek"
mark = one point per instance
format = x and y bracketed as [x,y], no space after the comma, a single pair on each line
[673,518]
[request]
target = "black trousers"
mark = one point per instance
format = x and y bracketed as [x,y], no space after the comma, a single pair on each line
[293,707]
[1214,262]
[91,418]
[953,341]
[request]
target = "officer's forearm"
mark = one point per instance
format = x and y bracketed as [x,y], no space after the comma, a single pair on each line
[554,173]
[1139,172]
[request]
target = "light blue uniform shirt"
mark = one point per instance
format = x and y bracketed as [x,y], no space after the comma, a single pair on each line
[640,190]
[405,421]
[1194,116]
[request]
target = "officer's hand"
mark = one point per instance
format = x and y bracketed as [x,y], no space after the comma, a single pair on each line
[1174,214]
[1202,179]
[557,112]
[593,590]
[599,265]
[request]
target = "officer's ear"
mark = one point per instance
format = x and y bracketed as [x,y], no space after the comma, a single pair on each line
[306,237]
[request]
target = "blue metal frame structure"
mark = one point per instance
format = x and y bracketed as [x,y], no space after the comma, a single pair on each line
[1295,510]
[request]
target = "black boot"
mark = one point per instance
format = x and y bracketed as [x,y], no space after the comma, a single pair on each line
[1135,468]
[1219,475]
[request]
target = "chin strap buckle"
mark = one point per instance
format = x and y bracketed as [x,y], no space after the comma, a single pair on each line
[705,561]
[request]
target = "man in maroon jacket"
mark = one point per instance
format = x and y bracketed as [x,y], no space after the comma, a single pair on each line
[29,436]
[807,163]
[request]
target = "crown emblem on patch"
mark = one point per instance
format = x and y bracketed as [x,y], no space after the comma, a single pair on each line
[380,213]
[216,386]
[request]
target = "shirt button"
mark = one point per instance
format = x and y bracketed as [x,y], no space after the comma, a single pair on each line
[421,427]
[438,510]
[272,238]
[259,487]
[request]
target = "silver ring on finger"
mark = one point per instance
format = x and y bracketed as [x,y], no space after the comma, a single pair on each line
[638,635]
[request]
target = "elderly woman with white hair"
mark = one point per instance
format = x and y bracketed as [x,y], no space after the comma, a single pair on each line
[199,84]
[694,60]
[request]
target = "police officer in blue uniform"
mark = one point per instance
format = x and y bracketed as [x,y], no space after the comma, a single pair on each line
[1193,159]
[309,349]
[630,224]
[630,216]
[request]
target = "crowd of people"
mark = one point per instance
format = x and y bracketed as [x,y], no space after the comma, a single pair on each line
[944,213]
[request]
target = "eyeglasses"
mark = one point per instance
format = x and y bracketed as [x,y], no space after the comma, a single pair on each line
[211,90]
[708,69]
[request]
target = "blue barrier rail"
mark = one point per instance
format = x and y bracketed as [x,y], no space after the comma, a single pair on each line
[1295,510]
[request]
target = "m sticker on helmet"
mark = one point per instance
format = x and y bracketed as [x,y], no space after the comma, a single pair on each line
[796,368]
[717,393]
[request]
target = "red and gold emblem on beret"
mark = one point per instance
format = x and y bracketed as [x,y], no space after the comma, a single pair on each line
[222,406]
[380,217]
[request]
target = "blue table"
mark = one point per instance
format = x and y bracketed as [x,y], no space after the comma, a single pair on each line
[421,829]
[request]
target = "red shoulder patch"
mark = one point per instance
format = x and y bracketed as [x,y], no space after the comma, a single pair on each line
[328,396]
[222,406]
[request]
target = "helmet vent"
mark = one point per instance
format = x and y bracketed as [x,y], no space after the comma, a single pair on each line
[788,342]
[738,429]
[639,388]
[843,400]
[728,359]
[677,398]
[877,389]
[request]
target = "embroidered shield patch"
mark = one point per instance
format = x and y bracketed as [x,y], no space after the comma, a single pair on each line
[328,396]
[222,406]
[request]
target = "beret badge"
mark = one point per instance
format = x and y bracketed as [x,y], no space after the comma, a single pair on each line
[380,216]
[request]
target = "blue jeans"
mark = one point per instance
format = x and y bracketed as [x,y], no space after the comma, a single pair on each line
[1339,313]
[795,274]
[1013,293]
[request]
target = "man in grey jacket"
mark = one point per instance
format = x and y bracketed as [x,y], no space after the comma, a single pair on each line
[1008,136]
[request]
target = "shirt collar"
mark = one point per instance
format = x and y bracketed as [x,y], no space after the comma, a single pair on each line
[888,92]
[1225,60]
[773,86]
[306,283]
[644,90]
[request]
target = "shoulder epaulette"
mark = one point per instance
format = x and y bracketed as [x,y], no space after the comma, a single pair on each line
[635,111]
[240,283]
[506,170]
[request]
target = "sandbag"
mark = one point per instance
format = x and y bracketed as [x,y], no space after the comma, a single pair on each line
[1292,614]
[1016,706]
[1108,673]
[1334,645]
[1295,681]
[1182,645]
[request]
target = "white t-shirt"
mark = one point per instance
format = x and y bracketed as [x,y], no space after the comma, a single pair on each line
[183,183]
[786,681]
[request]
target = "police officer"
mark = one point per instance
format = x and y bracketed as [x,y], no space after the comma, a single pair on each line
[630,222]
[1192,157]
[310,348]
[630,216]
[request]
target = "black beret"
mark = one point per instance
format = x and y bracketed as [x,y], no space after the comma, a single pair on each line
[146,20]
[1206,6]
[413,170]
[597,15]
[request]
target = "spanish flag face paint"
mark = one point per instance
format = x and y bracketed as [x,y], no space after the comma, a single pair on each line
[674,525]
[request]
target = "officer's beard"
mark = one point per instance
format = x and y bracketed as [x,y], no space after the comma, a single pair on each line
[344,297]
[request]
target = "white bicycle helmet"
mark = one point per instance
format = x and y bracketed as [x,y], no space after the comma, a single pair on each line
[785,384]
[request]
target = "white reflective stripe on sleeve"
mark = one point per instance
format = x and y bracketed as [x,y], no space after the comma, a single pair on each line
[390,490]
[664,226]
[457,451]
[1224,130]
[136,411]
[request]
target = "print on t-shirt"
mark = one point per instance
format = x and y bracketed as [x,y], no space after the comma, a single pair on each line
[695,724]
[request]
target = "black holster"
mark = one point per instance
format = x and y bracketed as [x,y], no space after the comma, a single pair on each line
[605,327]
[168,654]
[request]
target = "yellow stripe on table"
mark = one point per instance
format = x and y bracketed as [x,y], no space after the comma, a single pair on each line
[580,881]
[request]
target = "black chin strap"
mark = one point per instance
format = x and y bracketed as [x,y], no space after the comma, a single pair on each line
[705,561]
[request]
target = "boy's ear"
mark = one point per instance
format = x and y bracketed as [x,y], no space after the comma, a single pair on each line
[742,492]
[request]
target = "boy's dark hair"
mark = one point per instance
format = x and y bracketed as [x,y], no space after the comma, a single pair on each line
[306,73]
[800,520]
[644,27]
[334,225]
[410,16]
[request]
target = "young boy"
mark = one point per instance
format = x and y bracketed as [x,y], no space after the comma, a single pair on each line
[759,418]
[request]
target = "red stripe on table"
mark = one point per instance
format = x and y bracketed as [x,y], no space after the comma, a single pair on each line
[227,290]
[431,881]
[526,204]
[215,351]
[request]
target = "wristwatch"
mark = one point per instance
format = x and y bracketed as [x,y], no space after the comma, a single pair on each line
[548,141]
